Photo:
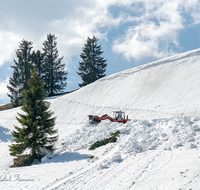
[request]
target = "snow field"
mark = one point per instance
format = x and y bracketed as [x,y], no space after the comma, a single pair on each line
[157,149]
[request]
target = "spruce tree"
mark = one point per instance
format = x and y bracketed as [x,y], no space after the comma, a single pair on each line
[93,66]
[54,73]
[38,61]
[37,122]
[14,88]
[21,73]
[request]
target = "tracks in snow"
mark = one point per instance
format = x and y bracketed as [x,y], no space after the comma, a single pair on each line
[133,112]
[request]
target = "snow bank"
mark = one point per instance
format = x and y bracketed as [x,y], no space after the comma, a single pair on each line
[116,157]
[138,136]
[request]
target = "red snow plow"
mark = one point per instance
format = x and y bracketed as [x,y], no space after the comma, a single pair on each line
[118,116]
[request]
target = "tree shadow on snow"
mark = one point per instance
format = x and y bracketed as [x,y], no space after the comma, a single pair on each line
[67,157]
[4,134]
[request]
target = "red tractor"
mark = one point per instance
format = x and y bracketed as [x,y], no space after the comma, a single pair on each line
[118,116]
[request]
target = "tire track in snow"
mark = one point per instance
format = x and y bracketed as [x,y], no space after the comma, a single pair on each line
[69,123]
[148,172]
[81,173]
[106,178]
[196,177]
[9,118]
[106,171]
[135,111]
[141,176]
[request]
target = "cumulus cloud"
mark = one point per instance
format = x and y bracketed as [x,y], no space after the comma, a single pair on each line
[8,42]
[71,21]
[153,25]
[156,29]
[86,21]
[3,89]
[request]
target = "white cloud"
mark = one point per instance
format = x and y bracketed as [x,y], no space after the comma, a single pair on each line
[153,25]
[196,13]
[192,8]
[71,21]
[8,42]
[157,29]
[3,89]
[73,30]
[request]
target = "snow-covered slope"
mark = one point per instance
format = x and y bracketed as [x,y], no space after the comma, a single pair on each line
[157,149]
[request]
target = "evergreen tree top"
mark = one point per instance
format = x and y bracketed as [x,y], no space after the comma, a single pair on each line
[50,43]
[53,70]
[21,74]
[93,65]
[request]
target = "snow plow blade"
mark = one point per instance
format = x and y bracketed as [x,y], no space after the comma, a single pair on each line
[93,119]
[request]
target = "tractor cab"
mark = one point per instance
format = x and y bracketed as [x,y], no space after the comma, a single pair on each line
[118,115]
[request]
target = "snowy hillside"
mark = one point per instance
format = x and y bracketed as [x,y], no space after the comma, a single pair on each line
[157,149]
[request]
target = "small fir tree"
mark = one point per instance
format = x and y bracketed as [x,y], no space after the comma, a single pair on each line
[93,66]
[22,72]
[37,123]
[54,73]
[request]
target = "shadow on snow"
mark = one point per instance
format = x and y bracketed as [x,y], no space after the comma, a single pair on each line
[67,157]
[5,135]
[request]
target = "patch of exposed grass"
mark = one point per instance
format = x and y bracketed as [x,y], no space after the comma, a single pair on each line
[6,106]
[13,105]
[24,160]
[116,134]
[9,106]
[113,138]
[103,142]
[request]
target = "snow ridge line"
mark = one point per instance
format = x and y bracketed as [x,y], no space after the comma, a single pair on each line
[174,58]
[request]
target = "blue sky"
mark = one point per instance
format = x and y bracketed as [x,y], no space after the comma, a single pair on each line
[130,32]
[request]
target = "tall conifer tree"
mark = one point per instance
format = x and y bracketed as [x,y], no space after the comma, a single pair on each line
[93,66]
[38,61]
[37,123]
[54,73]
[22,71]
